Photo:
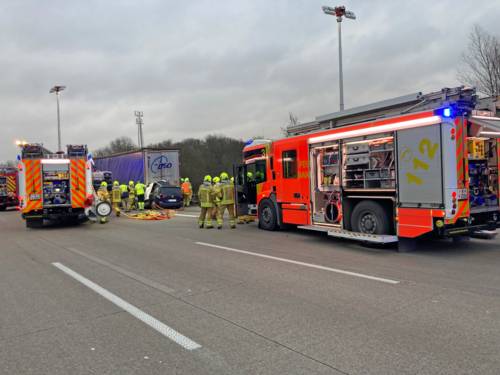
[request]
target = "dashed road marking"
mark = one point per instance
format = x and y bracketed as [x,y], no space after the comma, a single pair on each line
[154,323]
[310,265]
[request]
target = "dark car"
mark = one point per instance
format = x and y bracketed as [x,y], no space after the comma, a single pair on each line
[167,196]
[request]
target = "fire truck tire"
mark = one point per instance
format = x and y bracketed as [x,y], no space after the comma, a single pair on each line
[370,217]
[3,208]
[268,218]
[34,223]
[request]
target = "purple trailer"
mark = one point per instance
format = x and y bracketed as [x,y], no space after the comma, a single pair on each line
[146,165]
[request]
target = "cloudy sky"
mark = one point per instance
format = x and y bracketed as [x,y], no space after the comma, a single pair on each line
[202,67]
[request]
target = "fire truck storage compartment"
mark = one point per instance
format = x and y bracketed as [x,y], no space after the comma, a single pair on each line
[369,163]
[325,180]
[56,185]
[483,174]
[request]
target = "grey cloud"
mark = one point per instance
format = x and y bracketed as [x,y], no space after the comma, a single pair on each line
[227,67]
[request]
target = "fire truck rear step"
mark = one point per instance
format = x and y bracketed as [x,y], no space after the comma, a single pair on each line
[342,233]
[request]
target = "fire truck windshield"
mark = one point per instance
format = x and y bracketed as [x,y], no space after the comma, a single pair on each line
[256,171]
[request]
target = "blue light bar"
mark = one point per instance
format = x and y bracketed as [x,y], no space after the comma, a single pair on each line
[446,112]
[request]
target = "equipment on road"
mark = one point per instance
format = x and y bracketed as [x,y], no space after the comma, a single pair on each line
[8,187]
[147,165]
[152,215]
[58,186]
[390,171]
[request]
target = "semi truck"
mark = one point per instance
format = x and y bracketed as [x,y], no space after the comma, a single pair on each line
[147,165]
[8,187]
[57,186]
[393,171]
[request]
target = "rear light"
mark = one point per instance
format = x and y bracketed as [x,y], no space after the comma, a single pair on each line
[89,200]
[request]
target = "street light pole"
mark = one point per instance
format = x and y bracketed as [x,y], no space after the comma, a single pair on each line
[56,90]
[341,75]
[340,12]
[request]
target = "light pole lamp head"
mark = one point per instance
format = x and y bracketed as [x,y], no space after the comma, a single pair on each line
[57,89]
[339,12]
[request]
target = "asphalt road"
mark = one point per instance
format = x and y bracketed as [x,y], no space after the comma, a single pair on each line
[164,297]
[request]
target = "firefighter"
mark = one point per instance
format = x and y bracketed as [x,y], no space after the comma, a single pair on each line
[226,195]
[116,197]
[206,196]
[103,195]
[131,195]
[217,195]
[139,192]
[124,197]
[187,191]
[246,219]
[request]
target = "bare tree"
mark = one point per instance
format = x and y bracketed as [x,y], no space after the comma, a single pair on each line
[481,62]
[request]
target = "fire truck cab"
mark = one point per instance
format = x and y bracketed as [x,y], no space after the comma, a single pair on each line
[430,169]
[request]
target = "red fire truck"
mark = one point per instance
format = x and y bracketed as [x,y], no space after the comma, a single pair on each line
[391,171]
[57,186]
[8,188]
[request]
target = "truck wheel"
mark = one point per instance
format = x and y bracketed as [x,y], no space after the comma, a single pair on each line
[370,217]
[34,223]
[3,208]
[268,219]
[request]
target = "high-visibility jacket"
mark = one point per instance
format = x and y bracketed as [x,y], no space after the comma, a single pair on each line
[227,190]
[131,191]
[103,193]
[186,188]
[206,195]
[139,188]
[217,193]
[123,188]
[116,194]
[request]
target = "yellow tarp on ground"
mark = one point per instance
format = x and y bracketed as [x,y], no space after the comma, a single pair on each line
[151,215]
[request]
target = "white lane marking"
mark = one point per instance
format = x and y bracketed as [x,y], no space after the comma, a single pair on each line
[160,327]
[125,272]
[310,265]
[186,215]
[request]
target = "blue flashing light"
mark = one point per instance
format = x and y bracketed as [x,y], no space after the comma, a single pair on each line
[446,112]
[249,142]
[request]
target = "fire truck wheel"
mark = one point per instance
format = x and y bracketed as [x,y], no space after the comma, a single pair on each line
[34,223]
[370,217]
[267,216]
[3,208]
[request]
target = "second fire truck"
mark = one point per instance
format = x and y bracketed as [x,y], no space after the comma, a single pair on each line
[394,171]
[57,186]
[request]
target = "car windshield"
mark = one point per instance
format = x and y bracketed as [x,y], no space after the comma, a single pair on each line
[169,190]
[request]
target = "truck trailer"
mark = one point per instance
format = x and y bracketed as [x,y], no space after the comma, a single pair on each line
[147,165]
[8,187]
[396,171]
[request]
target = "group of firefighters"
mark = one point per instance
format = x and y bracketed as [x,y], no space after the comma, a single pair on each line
[216,195]
[123,197]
